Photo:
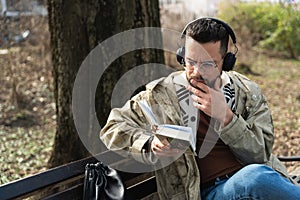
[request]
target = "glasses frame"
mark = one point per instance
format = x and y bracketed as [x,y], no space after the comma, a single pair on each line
[205,65]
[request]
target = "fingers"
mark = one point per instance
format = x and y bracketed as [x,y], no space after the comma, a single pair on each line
[158,145]
[162,148]
[201,100]
[167,153]
[198,87]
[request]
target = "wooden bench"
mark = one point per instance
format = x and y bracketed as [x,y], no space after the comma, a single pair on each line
[66,182]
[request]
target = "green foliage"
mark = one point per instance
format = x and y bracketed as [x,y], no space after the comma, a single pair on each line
[286,37]
[270,26]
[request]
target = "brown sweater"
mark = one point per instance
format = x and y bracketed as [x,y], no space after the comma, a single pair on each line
[220,160]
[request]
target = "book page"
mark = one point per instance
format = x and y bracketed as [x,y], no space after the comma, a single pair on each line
[178,136]
[148,112]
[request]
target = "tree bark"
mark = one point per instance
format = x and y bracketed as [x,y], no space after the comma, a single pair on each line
[76,28]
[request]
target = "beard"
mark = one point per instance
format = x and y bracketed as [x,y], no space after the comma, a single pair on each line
[201,80]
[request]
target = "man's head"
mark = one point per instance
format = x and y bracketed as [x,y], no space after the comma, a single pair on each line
[205,50]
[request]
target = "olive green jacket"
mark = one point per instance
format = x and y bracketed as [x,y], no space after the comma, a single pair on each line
[250,135]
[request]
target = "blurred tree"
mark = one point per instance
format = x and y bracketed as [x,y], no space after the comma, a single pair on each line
[76,28]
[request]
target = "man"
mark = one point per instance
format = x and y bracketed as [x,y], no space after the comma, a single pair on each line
[229,116]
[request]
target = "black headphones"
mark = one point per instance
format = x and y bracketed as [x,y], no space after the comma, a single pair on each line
[229,58]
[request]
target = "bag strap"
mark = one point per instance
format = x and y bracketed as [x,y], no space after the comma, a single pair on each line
[88,189]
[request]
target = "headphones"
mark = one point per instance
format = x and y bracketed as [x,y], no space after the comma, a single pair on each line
[229,58]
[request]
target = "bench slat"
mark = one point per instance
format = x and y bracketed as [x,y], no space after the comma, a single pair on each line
[74,193]
[142,189]
[289,158]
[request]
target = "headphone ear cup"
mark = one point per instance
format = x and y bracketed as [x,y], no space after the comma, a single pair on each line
[228,61]
[180,55]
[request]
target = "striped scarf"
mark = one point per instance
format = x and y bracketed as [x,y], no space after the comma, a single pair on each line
[228,91]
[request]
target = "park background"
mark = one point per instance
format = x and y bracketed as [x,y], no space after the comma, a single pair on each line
[268,37]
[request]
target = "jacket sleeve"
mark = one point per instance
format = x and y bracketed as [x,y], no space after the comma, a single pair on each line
[250,135]
[128,130]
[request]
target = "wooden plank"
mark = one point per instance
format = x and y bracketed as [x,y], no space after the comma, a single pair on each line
[289,158]
[142,189]
[74,193]
[138,191]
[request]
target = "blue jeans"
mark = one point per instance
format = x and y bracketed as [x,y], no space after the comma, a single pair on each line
[255,181]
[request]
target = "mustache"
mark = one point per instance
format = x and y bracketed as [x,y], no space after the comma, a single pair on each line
[198,79]
[203,80]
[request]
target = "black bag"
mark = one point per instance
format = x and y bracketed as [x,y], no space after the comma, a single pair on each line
[102,182]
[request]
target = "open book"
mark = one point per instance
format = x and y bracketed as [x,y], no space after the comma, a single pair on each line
[180,137]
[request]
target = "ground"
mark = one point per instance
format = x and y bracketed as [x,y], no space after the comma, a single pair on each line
[27,108]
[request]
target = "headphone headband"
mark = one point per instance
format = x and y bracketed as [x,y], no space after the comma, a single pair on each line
[225,25]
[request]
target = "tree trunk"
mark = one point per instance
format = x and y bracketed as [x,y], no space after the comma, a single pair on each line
[76,28]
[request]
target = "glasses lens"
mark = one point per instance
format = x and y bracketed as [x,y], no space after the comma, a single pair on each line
[208,65]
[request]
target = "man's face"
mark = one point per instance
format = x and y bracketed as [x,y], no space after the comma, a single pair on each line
[203,61]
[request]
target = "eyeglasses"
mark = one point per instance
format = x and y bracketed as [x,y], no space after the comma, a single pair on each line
[202,65]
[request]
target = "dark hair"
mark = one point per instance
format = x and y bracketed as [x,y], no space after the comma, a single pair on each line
[206,30]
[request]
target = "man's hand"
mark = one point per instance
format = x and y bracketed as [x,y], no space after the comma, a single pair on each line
[161,148]
[211,101]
